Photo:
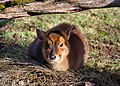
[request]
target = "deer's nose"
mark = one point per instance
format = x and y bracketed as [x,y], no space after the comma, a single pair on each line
[52,57]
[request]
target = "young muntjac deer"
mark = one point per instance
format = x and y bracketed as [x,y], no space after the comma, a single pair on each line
[62,47]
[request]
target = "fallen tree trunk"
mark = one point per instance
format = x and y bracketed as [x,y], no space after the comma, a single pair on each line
[55,6]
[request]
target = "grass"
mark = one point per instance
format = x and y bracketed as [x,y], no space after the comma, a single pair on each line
[102,28]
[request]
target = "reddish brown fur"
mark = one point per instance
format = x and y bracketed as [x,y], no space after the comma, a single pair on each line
[75,49]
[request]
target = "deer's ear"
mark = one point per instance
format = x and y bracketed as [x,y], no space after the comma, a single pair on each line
[40,34]
[68,32]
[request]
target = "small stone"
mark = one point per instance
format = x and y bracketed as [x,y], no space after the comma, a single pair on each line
[89,84]
[21,83]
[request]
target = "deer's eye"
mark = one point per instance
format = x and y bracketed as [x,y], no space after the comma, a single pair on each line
[61,45]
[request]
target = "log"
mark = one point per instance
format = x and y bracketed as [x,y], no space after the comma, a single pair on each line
[55,6]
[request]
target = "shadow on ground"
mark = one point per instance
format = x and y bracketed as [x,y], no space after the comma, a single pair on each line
[13,52]
[17,69]
[3,23]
